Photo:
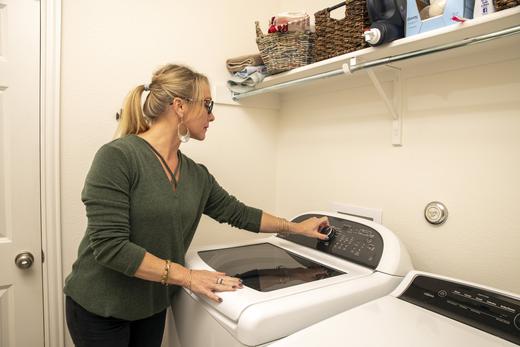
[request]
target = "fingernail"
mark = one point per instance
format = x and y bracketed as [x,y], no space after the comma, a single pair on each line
[220,300]
[240,280]
[234,287]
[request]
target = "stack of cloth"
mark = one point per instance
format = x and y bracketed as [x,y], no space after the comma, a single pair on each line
[247,71]
[239,63]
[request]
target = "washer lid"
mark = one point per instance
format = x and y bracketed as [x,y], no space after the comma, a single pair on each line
[266,267]
[236,302]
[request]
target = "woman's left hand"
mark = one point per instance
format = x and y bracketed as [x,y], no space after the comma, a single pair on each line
[311,227]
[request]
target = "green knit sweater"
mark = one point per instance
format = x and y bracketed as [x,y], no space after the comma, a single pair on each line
[132,208]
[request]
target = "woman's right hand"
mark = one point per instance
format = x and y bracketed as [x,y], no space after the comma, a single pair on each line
[207,283]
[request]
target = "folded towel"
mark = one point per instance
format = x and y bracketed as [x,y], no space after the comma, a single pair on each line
[241,85]
[239,63]
[248,70]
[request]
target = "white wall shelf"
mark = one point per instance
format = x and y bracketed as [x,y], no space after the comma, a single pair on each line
[484,40]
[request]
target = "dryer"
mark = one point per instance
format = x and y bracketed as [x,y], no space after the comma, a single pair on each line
[426,310]
[291,282]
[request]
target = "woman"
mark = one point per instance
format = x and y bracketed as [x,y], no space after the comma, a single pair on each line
[144,200]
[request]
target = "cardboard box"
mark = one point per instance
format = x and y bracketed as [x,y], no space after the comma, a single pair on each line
[415,25]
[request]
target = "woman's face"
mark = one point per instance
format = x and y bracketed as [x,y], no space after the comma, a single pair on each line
[199,118]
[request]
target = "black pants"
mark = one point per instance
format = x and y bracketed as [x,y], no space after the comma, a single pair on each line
[90,330]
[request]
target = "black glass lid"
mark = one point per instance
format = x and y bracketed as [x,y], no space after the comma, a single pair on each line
[265,267]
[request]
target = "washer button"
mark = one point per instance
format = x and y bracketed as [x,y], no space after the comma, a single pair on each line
[442,293]
[516,321]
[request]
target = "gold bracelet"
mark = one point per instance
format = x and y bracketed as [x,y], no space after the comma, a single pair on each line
[283,225]
[165,275]
[189,285]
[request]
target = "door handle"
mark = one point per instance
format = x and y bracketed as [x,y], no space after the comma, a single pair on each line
[24,260]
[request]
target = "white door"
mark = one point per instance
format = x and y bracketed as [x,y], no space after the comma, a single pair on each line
[21,303]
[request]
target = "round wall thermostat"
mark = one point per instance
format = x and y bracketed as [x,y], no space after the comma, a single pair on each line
[435,213]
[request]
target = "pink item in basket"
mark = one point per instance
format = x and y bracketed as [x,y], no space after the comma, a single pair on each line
[290,21]
[272,27]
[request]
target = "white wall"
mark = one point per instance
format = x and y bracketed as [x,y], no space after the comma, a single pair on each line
[461,146]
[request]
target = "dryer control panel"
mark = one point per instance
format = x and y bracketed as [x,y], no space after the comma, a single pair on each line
[494,313]
[348,240]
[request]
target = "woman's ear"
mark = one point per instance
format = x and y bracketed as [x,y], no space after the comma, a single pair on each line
[178,105]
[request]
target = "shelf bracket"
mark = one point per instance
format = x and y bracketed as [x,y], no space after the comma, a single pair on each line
[393,103]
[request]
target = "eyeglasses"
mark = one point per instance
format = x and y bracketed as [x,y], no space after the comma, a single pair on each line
[208,103]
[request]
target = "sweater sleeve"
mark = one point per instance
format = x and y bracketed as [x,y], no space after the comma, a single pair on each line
[225,208]
[106,196]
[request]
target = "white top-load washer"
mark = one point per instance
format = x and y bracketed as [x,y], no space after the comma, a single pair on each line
[426,310]
[291,282]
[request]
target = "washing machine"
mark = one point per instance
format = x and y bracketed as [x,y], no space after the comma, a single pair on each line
[290,282]
[425,310]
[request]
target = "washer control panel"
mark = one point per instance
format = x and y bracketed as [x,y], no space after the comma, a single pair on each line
[348,240]
[494,313]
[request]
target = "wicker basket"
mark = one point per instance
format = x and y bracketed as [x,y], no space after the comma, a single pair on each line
[339,36]
[503,4]
[282,51]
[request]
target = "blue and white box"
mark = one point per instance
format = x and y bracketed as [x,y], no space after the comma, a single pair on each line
[457,8]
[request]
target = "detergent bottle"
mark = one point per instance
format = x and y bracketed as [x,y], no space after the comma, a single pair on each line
[387,19]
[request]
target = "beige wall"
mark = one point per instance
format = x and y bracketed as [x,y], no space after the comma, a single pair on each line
[461,147]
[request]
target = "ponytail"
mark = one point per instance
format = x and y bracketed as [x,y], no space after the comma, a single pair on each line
[131,118]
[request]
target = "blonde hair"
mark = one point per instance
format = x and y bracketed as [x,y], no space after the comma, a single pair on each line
[167,82]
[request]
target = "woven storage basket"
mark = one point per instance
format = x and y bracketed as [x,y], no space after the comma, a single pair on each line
[339,36]
[503,4]
[284,51]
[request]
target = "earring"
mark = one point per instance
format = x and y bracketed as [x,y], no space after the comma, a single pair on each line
[183,137]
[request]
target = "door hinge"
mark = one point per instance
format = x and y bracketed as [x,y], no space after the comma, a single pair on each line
[43,257]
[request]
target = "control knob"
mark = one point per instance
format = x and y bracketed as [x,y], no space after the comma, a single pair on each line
[328,230]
